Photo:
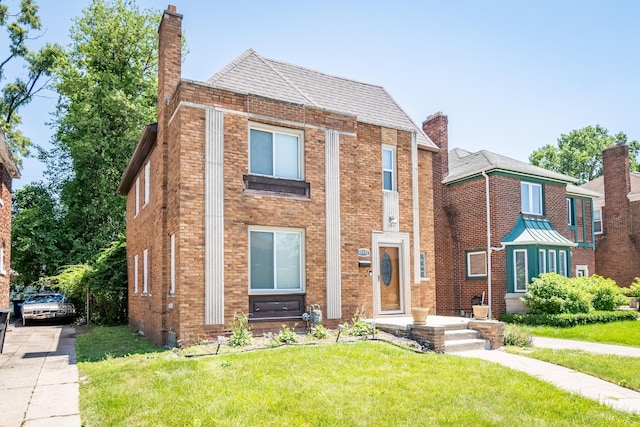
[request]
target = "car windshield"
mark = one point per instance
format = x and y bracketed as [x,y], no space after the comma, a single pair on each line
[37,299]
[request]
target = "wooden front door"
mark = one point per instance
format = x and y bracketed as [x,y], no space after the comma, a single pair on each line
[390,297]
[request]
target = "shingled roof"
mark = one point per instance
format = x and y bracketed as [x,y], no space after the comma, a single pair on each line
[464,164]
[253,74]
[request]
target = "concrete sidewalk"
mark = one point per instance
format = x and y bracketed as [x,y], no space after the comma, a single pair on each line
[39,377]
[607,393]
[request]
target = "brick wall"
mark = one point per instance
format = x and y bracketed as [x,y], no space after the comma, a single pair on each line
[620,241]
[5,234]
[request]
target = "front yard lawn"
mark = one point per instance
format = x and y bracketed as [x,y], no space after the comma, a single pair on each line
[621,333]
[366,383]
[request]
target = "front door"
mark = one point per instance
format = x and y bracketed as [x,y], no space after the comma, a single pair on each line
[389,282]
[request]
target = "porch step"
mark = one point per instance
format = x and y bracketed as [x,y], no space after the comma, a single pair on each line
[460,334]
[464,345]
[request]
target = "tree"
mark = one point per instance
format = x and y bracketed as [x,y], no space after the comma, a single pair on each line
[38,243]
[107,84]
[39,65]
[579,153]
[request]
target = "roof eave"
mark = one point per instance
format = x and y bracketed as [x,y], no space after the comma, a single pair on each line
[145,145]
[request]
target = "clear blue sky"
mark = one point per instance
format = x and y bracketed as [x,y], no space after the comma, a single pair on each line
[511,75]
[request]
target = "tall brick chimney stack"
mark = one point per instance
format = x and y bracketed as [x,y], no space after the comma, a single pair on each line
[436,126]
[169,58]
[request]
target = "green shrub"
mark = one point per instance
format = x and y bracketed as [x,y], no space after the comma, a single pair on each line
[605,294]
[514,335]
[286,335]
[319,332]
[634,289]
[241,334]
[552,293]
[567,320]
[360,327]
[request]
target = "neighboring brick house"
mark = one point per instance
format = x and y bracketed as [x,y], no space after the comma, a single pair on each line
[271,187]
[617,217]
[538,222]
[8,172]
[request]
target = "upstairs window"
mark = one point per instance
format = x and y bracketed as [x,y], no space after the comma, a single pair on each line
[147,183]
[388,169]
[276,153]
[531,196]
[597,220]
[571,213]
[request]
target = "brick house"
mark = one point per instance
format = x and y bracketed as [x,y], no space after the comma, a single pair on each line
[500,222]
[271,187]
[8,172]
[617,221]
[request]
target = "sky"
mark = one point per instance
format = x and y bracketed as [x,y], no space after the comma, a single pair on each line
[512,76]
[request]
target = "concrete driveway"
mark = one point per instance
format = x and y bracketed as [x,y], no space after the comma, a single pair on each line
[39,377]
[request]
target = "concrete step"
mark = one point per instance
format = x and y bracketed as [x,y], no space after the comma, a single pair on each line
[464,345]
[460,334]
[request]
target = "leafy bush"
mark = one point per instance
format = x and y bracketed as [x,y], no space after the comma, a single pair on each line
[634,289]
[514,335]
[605,294]
[241,334]
[552,293]
[360,327]
[567,320]
[286,335]
[319,332]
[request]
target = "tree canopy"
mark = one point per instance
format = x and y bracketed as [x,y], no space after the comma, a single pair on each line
[21,89]
[579,153]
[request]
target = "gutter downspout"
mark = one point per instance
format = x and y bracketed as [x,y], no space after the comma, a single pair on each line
[488,202]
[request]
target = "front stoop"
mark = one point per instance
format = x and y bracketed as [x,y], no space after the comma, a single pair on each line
[463,340]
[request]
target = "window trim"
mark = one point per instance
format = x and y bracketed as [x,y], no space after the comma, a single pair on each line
[562,263]
[172,288]
[553,266]
[147,184]
[137,208]
[542,256]
[530,185]
[599,210]
[274,230]
[394,166]
[135,274]
[571,222]
[299,133]
[515,270]
[470,275]
[145,272]
[423,265]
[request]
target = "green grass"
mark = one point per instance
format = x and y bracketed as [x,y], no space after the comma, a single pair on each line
[615,369]
[366,383]
[621,333]
[100,343]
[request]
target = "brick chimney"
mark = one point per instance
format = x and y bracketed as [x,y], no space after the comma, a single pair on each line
[169,58]
[436,126]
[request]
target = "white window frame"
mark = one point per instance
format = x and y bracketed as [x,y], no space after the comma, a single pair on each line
[135,274]
[571,219]
[3,271]
[172,289]
[529,194]
[553,264]
[582,270]
[474,254]
[147,184]
[515,270]
[542,261]
[284,131]
[145,272]
[276,230]
[562,263]
[423,265]
[137,196]
[393,150]
[599,220]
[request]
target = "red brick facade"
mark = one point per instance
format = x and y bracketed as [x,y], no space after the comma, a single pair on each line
[618,247]
[461,223]
[8,171]
[176,209]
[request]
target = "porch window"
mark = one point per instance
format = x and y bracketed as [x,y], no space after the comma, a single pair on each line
[542,261]
[520,270]
[275,152]
[552,262]
[276,258]
[477,264]
[531,198]
[562,263]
